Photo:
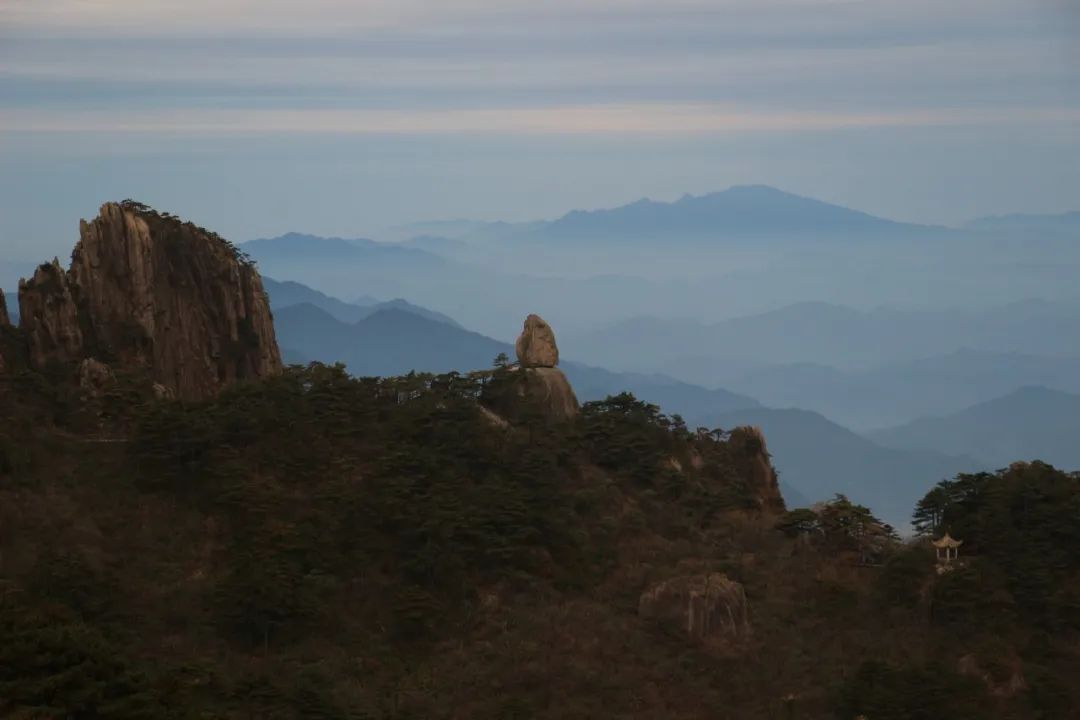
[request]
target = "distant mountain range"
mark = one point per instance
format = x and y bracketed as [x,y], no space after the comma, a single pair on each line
[831,335]
[750,210]
[298,246]
[743,210]
[819,458]
[1031,423]
[899,392]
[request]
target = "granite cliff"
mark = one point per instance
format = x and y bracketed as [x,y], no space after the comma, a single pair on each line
[146,291]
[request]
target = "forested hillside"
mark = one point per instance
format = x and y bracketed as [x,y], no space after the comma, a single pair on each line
[315,545]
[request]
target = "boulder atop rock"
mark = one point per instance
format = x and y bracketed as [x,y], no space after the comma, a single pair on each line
[148,291]
[709,607]
[536,345]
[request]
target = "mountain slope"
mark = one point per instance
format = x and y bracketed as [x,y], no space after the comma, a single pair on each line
[744,210]
[285,293]
[1032,423]
[819,458]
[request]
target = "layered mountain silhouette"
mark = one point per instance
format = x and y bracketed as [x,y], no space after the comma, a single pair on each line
[836,336]
[284,294]
[1032,423]
[898,392]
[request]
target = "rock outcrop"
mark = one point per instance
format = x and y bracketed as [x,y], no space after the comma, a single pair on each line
[149,291]
[551,391]
[1004,677]
[542,383]
[49,316]
[95,377]
[708,608]
[536,346]
[5,319]
[762,474]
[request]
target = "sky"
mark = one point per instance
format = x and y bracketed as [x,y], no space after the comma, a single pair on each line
[257,117]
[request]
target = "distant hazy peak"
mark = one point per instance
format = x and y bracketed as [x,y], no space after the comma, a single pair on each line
[738,210]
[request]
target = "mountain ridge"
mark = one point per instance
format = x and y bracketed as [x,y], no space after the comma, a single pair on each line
[739,210]
[1030,423]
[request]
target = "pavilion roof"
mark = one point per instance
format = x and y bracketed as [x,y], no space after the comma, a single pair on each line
[947,541]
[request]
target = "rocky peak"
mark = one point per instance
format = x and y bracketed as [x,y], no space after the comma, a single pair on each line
[536,346]
[146,290]
[763,474]
[49,315]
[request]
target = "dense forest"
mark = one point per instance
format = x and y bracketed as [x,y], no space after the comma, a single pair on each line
[321,546]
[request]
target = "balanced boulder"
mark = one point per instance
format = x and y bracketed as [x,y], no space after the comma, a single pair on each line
[536,345]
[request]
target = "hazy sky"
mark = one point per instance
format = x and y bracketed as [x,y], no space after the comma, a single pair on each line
[254,117]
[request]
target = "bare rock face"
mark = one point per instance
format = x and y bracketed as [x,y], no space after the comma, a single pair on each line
[708,608]
[762,474]
[536,346]
[5,319]
[146,290]
[50,317]
[549,388]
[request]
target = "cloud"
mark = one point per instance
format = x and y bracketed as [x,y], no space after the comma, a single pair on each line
[289,18]
[655,120]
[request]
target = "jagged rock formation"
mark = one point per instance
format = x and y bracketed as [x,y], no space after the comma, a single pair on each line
[708,608]
[50,317]
[148,291]
[763,474]
[536,347]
